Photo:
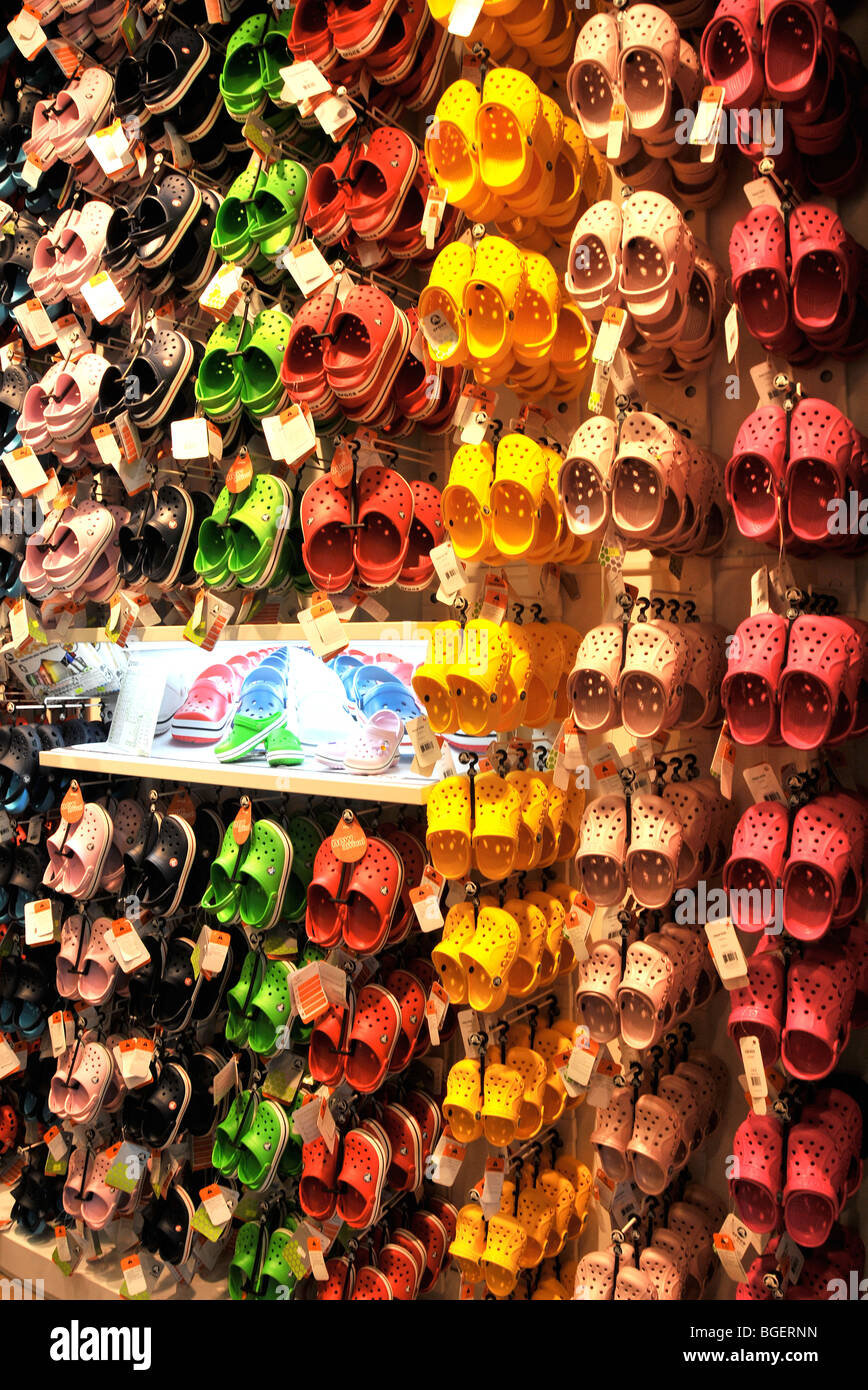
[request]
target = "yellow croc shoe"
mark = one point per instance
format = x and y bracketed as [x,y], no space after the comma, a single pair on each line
[572,346]
[441,305]
[465,504]
[555,1049]
[570,639]
[562,1194]
[509,127]
[536,313]
[458,929]
[448,835]
[531,21]
[571,161]
[546,669]
[580,1176]
[429,679]
[530,382]
[476,682]
[533,1071]
[462,1104]
[449,145]
[536,1213]
[537,196]
[503,1089]
[495,826]
[488,956]
[468,1245]
[520,477]
[515,688]
[504,1245]
[574,809]
[534,797]
[551,521]
[491,294]
[555,917]
[555,808]
[533,926]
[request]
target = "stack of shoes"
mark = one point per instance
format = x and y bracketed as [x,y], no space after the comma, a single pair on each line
[799,60]
[798,282]
[252,539]
[260,717]
[75,553]
[502,311]
[802,1175]
[534,38]
[648,676]
[638,60]
[371,197]
[166,235]
[262,216]
[390,53]
[664,976]
[800,470]
[819,863]
[510,156]
[241,368]
[500,506]
[671,327]
[676,1263]
[796,681]
[498,677]
[375,531]
[357,362]
[825,1275]
[377,887]
[648,481]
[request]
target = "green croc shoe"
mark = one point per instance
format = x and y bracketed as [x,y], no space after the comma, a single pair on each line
[274,53]
[224,889]
[241,81]
[227,1135]
[283,1265]
[271,1007]
[283,749]
[306,839]
[259,526]
[232,236]
[245,1267]
[261,364]
[264,875]
[241,998]
[278,205]
[218,383]
[262,1145]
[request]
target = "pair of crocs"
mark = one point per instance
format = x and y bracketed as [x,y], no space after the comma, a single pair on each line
[801,681]
[260,1004]
[356,903]
[261,712]
[265,1265]
[251,69]
[241,366]
[244,539]
[637,847]
[249,882]
[262,213]
[251,1141]
[373,544]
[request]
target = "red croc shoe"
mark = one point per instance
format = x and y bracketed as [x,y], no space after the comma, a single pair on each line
[317,1186]
[373,893]
[373,1038]
[380,179]
[362,1178]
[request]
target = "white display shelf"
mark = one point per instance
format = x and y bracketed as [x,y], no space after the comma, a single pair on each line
[23,1257]
[396,630]
[311,780]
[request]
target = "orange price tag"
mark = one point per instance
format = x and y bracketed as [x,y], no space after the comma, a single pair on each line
[240,474]
[341,470]
[72,805]
[349,840]
[243,823]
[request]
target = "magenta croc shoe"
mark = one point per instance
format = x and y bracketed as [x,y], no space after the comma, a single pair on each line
[819,467]
[754,867]
[822,858]
[756,1186]
[750,686]
[757,1009]
[74,936]
[818,662]
[755,473]
[821,990]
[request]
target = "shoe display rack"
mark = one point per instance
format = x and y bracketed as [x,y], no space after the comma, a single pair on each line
[434,657]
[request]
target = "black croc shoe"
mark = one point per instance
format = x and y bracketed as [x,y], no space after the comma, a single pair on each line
[163,216]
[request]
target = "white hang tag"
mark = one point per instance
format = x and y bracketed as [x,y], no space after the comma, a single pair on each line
[763,783]
[438,331]
[70,337]
[308,267]
[609,336]
[432,217]
[726,952]
[706,123]
[335,115]
[464,17]
[127,946]
[34,323]
[27,33]
[322,628]
[11,1061]
[762,192]
[444,1164]
[61,1031]
[754,1071]
[25,470]
[450,571]
[302,80]
[436,1008]
[618,131]
[426,745]
[102,296]
[730,332]
[736,1248]
[111,149]
[196,438]
[40,921]
[223,293]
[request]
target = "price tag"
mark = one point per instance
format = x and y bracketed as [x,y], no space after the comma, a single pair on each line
[762,193]
[134,1057]
[134,1276]
[444,1164]
[72,341]
[222,295]
[316,1259]
[315,988]
[723,762]
[129,1164]
[735,1247]
[219,1203]
[492,1186]
[34,323]
[32,171]
[102,297]
[127,946]
[763,784]
[438,332]
[436,1008]
[426,905]
[619,129]
[464,17]
[213,950]
[208,619]
[308,267]
[707,120]
[322,628]
[730,332]
[609,336]
[494,603]
[581,1061]
[290,436]
[11,1060]
[432,217]
[61,1031]
[111,149]
[40,921]
[726,952]
[426,745]
[450,570]
[301,80]
[25,470]
[58,1145]
[196,438]
[27,33]
[335,115]
[754,1071]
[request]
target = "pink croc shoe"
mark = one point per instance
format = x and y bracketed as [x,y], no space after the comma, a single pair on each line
[99,967]
[824,862]
[818,662]
[792,44]
[584,476]
[647,482]
[594,260]
[821,989]
[654,850]
[757,1009]
[658,1146]
[79,109]
[752,872]
[74,935]
[592,686]
[694,816]
[597,994]
[731,52]
[81,245]
[750,686]
[755,1186]
[100,1201]
[706,665]
[758,256]
[651,685]
[611,1133]
[657,258]
[755,473]
[595,1275]
[85,852]
[819,467]
[647,994]
[83,533]
[826,270]
[602,850]
[647,66]
[816,1182]
[205,713]
[592,79]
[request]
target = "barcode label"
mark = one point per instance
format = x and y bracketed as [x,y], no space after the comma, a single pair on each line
[730,956]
